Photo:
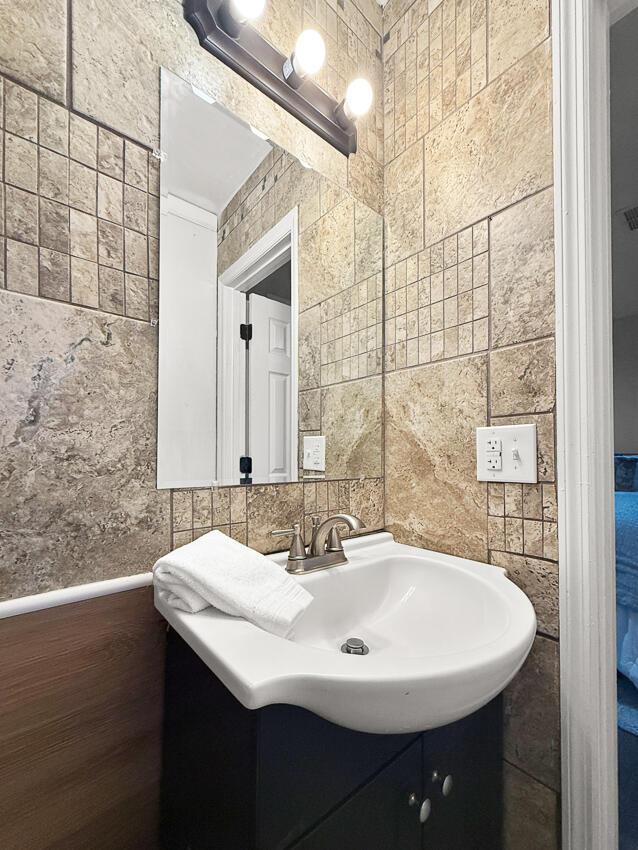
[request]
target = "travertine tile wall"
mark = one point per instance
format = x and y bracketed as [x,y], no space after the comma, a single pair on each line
[466,113]
[469,327]
[79,107]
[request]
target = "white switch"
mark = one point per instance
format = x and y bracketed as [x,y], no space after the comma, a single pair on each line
[506,453]
[314,453]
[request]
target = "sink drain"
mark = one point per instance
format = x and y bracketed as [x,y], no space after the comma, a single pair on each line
[354,646]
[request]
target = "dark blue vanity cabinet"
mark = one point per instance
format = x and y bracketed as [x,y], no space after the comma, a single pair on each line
[281,777]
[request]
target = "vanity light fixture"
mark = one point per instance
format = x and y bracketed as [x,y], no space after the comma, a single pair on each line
[234,14]
[307,58]
[223,29]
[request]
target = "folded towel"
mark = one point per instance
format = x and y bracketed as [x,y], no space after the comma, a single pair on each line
[219,571]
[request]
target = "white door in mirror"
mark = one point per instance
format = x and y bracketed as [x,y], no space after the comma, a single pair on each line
[507,453]
[270,395]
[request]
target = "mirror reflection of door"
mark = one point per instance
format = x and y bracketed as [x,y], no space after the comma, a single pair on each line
[269,379]
[257,384]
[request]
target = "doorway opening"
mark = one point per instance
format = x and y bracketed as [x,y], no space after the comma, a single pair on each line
[623,49]
[257,350]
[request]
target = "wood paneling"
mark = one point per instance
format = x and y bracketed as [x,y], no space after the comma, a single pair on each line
[81,694]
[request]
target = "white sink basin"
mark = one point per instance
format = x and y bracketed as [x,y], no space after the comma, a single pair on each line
[445,635]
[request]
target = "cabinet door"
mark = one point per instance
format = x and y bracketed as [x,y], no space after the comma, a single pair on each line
[470,752]
[379,816]
[308,767]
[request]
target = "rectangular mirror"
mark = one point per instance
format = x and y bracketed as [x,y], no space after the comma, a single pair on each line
[270,319]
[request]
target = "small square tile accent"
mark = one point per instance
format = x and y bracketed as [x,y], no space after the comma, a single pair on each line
[452,299]
[22,267]
[434,62]
[20,111]
[111,287]
[20,162]
[82,187]
[55,275]
[53,129]
[83,141]
[136,297]
[54,176]
[21,211]
[110,154]
[50,201]
[527,515]
[84,282]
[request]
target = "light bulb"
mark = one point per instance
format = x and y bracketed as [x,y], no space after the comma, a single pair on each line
[309,53]
[358,98]
[247,10]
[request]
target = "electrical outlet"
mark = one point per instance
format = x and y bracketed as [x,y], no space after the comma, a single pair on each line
[506,453]
[494,460]
[314,454]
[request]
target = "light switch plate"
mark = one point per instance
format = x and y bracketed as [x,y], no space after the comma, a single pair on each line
[514,446]
[314,453]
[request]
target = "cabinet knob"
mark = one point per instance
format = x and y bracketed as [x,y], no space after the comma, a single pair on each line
[445,783]
[425,808]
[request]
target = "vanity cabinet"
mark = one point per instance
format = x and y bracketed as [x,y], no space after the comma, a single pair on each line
[379,815]
[280,777]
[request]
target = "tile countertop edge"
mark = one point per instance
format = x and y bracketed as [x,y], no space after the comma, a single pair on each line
[68,595]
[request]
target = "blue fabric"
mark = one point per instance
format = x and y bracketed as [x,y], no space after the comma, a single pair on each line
[626,472]
[627,549]
[627,706]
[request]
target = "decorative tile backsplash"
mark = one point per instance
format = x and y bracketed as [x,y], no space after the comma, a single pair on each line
[249,514]
[434,63]
[522,519]
[81,210]
[437,301]
[352,332]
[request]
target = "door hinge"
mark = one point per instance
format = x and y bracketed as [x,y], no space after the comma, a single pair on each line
[246,333]
[246,468]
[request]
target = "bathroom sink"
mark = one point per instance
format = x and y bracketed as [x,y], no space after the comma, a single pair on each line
[443,636]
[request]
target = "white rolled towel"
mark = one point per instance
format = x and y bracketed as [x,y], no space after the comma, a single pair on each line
[219,571]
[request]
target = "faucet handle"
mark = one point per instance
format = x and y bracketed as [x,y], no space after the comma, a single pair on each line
[297,545]
[315,522]
[333,543]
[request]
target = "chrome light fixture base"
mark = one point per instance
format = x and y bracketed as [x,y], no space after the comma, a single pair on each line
[243,49]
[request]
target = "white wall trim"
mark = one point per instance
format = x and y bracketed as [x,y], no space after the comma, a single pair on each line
[585,425]
[189,211]
[69,595]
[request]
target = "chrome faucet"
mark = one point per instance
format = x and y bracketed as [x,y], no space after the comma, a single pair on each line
[326,548]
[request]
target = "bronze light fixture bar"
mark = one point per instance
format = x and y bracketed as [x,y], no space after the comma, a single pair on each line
[244,50]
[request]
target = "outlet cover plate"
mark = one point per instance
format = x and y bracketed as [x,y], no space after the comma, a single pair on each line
[314,454]
[518,453]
